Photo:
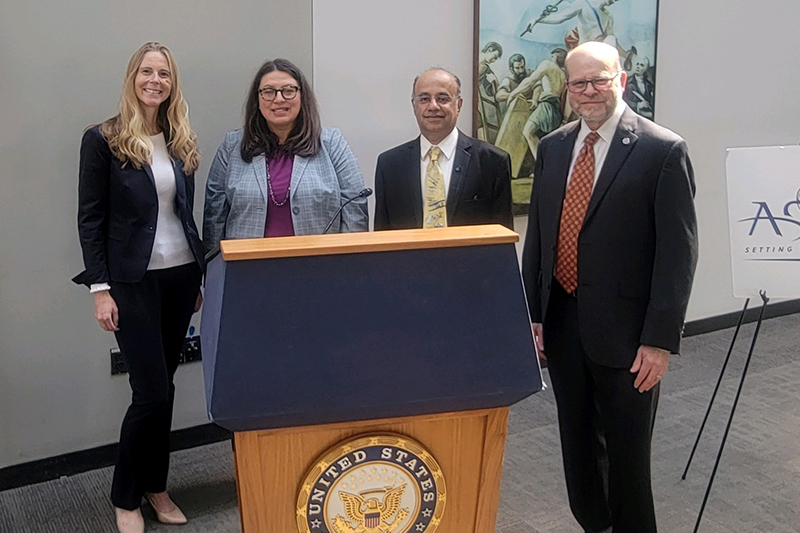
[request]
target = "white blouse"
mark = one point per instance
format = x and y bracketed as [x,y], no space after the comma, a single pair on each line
[170,247]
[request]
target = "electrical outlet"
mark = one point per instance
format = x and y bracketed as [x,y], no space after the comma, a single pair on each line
[118,365]
[191,350]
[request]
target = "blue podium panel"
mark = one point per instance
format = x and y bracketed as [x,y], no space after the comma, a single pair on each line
[321,339]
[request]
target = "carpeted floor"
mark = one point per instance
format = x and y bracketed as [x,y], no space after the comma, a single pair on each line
[757,487]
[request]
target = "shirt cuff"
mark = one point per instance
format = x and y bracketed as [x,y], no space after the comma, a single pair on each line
[99,287]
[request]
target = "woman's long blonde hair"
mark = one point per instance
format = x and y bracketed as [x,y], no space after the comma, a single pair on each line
[126,133]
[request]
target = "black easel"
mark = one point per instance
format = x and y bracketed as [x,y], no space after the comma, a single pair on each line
[765,300]
[716,389]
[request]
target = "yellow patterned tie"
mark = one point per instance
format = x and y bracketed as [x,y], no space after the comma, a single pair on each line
[435,211]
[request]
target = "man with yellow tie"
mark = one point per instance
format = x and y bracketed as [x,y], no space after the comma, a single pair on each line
[443,177]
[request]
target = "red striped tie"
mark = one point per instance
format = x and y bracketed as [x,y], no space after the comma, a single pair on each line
[576,201]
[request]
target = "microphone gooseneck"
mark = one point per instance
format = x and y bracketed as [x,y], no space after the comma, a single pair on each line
[363,193]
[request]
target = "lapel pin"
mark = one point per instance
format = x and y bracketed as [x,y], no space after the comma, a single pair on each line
[626,141]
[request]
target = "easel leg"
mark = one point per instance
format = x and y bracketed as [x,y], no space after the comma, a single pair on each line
[733,409]
[716,389]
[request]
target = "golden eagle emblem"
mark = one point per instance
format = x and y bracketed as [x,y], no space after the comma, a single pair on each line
[370,514]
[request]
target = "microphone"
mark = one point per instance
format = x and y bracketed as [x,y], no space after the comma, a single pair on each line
[212,253]
[365,192]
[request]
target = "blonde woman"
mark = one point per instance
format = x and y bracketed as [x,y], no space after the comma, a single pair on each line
[144,261]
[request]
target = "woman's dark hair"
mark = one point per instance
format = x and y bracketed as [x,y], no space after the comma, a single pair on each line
[303,140]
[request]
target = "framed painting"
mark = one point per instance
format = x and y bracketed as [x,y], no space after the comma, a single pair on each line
[520,47]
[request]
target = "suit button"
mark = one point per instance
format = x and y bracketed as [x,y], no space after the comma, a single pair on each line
[296,210]
[150,228]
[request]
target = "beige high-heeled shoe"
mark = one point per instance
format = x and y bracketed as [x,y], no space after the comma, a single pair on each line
[166,510]
[129,521]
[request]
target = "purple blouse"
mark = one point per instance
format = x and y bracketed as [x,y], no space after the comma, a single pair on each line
[279,176]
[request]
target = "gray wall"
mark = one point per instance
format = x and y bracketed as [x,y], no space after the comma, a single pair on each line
[61,69]
[727,77]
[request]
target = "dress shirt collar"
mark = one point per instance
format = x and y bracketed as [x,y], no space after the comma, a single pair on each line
[447,146]
[607,130]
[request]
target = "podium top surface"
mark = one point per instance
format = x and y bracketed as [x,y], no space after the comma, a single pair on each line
[373,241]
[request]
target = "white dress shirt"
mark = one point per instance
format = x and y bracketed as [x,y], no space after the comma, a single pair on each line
[606,132]
[448,148]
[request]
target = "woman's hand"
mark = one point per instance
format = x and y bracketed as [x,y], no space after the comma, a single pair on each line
[199,301]
[105,311]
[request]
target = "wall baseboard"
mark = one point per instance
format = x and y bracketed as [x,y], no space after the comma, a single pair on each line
[729,320]
[73,463]
[82,461]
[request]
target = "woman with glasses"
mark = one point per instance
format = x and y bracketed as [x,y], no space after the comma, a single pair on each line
[143,259]
[282,173]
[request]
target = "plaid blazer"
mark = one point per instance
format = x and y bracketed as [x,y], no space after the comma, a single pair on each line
[236,191]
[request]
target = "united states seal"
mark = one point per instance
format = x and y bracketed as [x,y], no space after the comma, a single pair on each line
[372,484]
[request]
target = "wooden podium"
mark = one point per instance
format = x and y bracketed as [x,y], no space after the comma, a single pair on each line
[422,336]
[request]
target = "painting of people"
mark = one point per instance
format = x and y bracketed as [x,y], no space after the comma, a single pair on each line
[520,77]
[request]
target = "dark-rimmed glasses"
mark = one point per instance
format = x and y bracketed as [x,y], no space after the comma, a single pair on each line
[288,92]
[578,86]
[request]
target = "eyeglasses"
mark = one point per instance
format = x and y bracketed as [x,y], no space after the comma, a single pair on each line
[441,99]
[578,86]
[268,94]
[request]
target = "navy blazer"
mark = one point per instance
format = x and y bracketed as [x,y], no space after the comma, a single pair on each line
[637,248]
[117,213]
[479,192]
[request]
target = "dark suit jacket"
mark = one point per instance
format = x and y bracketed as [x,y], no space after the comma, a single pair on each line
[479,193]
[648,92]
[637,249]
[117,212]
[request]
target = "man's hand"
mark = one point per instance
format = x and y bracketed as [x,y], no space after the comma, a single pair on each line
[105,311]
[538,339]
[651,365]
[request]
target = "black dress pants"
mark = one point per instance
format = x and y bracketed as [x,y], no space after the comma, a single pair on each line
[154,315]
[606,427]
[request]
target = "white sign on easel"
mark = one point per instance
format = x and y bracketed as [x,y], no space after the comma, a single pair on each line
[764,220]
